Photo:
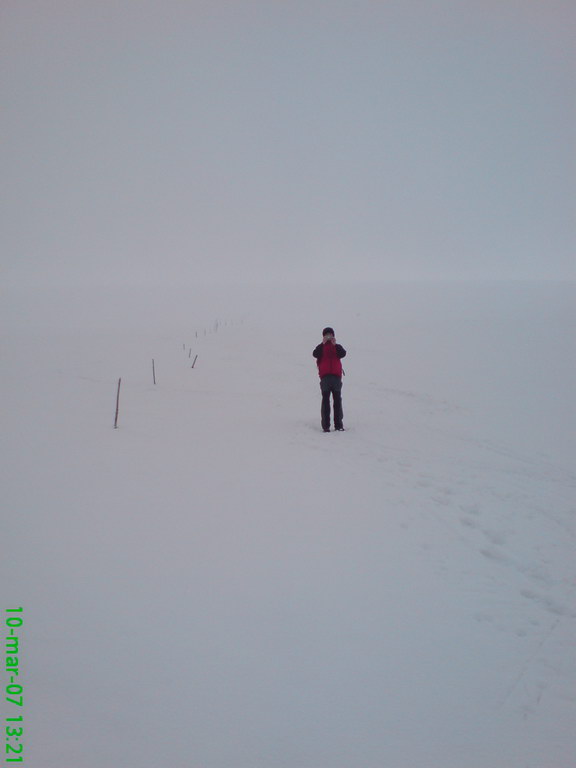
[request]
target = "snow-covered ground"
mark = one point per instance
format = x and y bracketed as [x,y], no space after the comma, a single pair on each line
[219,584]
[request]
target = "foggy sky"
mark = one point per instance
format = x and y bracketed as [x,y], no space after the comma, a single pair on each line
[165,140]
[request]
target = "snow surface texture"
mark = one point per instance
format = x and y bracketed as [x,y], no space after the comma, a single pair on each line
[219,584]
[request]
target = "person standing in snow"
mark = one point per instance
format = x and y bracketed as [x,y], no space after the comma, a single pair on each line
[328,355]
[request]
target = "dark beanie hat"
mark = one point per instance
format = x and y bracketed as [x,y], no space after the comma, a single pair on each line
[328,330]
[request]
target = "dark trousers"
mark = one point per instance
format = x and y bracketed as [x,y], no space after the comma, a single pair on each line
[331,384]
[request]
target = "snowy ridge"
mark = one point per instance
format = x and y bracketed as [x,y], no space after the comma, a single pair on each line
[225,585]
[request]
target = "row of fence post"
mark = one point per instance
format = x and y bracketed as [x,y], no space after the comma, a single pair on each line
[214,329]
[153,379]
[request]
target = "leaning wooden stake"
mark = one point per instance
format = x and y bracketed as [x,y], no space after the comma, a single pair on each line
[153,372]
[194,363]
[117,405]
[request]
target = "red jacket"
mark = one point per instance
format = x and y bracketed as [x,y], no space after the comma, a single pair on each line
[328,359]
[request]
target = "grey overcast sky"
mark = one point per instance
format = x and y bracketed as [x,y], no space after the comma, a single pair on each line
[174,140]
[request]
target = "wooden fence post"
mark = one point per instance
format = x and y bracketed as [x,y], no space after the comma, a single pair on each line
[117,405]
